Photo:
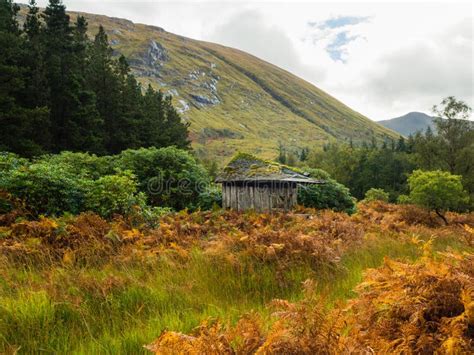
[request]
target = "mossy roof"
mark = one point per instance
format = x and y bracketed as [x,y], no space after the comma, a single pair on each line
[246,167]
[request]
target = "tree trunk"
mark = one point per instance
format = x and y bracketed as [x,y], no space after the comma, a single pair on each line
[442,217]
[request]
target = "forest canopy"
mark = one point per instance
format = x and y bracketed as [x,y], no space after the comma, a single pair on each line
[60,90]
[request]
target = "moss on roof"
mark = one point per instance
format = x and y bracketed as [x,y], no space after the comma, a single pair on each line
[244,166]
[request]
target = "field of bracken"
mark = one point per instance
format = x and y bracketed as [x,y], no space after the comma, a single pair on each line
[388,279]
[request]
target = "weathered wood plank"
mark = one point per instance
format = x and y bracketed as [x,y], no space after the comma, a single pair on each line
[259,197]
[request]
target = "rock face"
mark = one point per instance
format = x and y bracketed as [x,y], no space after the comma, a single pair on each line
[173,92]
[204,84]
[150,63]
[183,106]
[202,101]
[156,54]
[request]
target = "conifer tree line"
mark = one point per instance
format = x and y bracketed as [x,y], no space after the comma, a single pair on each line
[387,165]
[450,148]
[61,90]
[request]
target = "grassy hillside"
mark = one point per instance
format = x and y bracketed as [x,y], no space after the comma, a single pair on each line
[233,100]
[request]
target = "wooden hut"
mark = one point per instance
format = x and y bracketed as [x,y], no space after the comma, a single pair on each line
[252,183]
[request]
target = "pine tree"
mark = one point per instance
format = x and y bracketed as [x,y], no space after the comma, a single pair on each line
[63,98]
[125,130]
[176,130]
[10,73]
[152,126]
[401,146]
[88,134]
[36,89]
[105,84]
[101,76]
[60,91]
[304,154]
[37,95]
[17,121]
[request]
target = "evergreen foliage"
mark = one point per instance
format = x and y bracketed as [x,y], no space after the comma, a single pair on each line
[330,195]
[59,90]
[363,168]
[168,176]
[450,148]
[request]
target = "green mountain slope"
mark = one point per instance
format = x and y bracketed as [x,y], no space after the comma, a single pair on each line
[233,100]
[410,123]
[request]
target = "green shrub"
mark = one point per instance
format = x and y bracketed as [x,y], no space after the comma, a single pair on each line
[147,216]
[439,191]
[403,199]
[46,188]
[170,177]
[376,195]
[330,195]
[75,182]
[83,164]
[113,194]
[318,174]
[68,183]
[210,198]
[8,163]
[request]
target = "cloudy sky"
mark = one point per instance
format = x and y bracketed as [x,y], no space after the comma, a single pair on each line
[383,59]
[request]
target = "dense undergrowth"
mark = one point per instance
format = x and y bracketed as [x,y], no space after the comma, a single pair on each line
[232,281]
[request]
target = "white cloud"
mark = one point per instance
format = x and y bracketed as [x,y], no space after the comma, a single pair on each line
[248,31]
[392,58]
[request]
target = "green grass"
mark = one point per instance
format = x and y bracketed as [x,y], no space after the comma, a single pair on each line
[119,308]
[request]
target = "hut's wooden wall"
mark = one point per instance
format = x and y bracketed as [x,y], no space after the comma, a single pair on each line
[259,197]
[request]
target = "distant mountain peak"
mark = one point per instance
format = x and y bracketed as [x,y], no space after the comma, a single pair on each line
[410,123]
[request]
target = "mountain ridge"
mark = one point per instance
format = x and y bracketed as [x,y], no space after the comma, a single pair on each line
[233,100]
[410,123]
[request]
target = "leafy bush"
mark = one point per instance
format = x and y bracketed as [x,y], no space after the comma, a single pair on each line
[210,198]
[83,164]
[403,199]
[169,176]
[76,182]
[438,191]
[113,194]
[331,194]
[316,173]
[68,183]
[9,162]
[376,195]
[46,188]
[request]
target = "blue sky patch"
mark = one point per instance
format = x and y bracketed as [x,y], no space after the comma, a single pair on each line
[339,21]
[336,48]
